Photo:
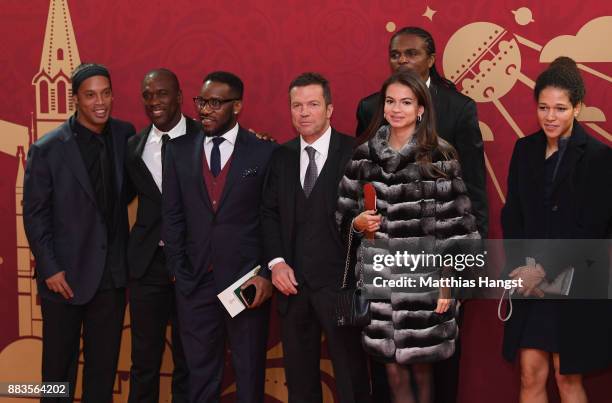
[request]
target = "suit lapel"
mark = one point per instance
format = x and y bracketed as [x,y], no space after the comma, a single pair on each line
[291,178]
[536,160]
[573,154]
[147,177]
[197,161]
[435,98]
[240,160]
[144,136]
[119,143]
[332,167]
[74,160]
[192,126]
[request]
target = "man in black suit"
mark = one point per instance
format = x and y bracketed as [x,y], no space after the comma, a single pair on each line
[304,248]
[152,304]
[456,118]
[456,122]
[211,228]
[75,216]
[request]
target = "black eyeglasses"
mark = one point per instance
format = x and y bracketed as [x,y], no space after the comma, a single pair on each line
[214,103]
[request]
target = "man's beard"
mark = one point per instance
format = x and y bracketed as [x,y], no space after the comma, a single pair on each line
[221,130]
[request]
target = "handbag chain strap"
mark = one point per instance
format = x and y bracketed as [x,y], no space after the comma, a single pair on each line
[347,262]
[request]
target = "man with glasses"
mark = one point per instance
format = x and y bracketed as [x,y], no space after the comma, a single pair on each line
[210,207]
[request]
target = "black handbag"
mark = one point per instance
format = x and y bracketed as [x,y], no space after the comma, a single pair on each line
[352,308]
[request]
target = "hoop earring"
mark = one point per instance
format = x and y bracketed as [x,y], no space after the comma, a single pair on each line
[419,118]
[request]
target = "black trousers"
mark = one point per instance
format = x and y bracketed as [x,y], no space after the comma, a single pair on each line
[308,313]
[205,327]
[101,321]
[152,307]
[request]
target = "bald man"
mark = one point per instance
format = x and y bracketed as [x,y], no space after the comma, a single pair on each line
[151,287]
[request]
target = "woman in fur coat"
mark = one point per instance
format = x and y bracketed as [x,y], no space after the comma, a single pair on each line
[422,205]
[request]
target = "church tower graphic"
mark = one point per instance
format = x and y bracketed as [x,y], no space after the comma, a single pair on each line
[60,56]
[21,359]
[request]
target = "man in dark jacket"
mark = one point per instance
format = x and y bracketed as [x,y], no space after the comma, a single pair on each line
[151,288]
[304,249]
[75,216]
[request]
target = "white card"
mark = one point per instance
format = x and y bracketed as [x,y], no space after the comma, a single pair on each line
[228,297]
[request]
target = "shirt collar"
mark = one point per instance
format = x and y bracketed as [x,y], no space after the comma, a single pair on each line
[229,136]
[321,145]
[179,129]
[84,131]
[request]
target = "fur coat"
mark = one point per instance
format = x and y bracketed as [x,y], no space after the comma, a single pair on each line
[420,212]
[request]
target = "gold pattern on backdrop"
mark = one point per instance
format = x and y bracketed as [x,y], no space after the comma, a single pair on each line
[53,106]
[523,16]
[484,60]
[21,359]
[487,135]
[429,13]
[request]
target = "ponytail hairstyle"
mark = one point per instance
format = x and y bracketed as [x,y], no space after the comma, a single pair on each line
[562,73]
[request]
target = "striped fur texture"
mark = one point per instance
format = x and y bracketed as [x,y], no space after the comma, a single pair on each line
[420,212]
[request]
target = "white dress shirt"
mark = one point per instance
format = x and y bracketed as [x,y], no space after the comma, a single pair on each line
[226,148]
[322,149]
[321,146]
[151,155]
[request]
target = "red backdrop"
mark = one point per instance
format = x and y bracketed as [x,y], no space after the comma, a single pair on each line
[267,43]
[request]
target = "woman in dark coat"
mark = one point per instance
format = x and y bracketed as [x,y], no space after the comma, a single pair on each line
[421,202]
[559,188]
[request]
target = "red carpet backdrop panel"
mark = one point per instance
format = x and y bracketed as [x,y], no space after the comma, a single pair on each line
[492,50]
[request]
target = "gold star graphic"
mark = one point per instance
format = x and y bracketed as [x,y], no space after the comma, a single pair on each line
[429,13]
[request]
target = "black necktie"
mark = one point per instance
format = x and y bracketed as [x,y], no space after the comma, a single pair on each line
[165,139]
[215,156]
[311,171]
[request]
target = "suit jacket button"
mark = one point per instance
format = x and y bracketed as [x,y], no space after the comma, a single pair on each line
[555,208]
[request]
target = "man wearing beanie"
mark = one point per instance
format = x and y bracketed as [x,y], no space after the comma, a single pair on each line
[75,218]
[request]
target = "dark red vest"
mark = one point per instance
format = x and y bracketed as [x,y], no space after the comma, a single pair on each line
[215,186]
